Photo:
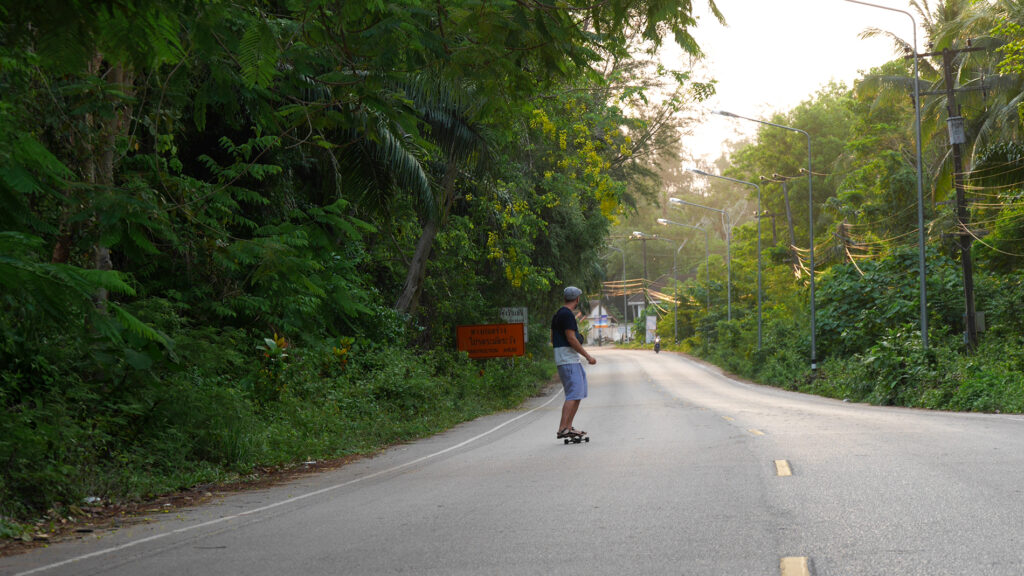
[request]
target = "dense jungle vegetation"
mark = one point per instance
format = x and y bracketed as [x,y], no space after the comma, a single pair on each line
[240,234]
[868,333]
[237,235]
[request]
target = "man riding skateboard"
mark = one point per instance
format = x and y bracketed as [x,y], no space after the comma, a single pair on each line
[567,343]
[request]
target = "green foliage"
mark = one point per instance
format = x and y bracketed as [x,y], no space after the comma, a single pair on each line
[866,256]
[783,355]
[199,424]
[181,181]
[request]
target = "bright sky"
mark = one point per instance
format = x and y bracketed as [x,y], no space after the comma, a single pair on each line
[776,53]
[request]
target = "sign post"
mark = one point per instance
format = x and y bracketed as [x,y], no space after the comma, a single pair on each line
[516,315]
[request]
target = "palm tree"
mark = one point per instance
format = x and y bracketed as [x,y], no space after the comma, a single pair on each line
[989,99]
[451,112]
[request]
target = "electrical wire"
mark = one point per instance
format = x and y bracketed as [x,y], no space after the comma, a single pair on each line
[888,240]
[874,223]
[991,247]
[1002,218]
[1012,185]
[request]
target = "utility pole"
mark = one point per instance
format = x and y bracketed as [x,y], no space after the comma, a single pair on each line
[643,238]
[789,214]
[643,245]
[957,138]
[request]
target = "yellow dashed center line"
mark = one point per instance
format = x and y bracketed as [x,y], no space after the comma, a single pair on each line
[756,432]
[794,566]
[728,418]
[782,468]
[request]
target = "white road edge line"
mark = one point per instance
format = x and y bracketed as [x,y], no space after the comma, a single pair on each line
[285,501]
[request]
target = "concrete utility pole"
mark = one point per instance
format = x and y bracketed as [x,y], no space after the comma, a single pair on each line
[643,238]
[789,214]
[957,138]
[784,180]
[624,309]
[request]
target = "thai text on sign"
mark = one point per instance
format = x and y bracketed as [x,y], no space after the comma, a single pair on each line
[491,340]
[516,315]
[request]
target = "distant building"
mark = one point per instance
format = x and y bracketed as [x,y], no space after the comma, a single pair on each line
[604,325]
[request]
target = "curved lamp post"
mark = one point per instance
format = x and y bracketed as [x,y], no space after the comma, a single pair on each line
[810,215]
[707,268]
[644,237]
[728,247]
[920,189]
[703,173]
[675,296]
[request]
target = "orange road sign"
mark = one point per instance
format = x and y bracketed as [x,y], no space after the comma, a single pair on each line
[491,340]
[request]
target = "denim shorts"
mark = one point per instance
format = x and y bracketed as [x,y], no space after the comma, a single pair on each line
[574,381]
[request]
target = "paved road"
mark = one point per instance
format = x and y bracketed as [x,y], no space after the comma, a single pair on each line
[681,477]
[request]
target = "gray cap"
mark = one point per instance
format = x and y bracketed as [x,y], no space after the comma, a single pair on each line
[571,293]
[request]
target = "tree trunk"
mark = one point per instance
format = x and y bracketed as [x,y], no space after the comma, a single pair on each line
[408,300]
[102,162]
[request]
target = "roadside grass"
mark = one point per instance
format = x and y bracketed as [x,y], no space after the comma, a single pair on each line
[70,445]
[895,371]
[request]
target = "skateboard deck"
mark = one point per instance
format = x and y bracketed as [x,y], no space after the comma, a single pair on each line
[576,439]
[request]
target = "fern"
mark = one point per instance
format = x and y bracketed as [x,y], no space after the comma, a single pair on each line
[137,327]
[257,54]
[61,292]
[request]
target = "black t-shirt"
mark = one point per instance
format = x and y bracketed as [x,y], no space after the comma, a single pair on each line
[564,320]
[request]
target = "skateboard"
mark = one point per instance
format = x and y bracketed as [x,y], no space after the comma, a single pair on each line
[576,439]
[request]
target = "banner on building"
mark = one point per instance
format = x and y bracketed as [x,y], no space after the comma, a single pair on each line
[652,328]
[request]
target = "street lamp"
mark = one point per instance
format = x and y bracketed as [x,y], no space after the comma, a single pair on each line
[728,247]
[920,186]
[624,324]
[703,173]
[810,214]
[707,267]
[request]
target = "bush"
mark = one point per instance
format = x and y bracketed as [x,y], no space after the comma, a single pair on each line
[783,355]
[63,437]
[992,380]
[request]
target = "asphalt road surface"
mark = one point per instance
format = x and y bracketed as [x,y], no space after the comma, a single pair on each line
[687,472]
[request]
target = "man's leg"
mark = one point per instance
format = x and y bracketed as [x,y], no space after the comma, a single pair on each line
[574,382]
[569,409]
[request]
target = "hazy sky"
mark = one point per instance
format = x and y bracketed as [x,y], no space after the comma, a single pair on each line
[776,53]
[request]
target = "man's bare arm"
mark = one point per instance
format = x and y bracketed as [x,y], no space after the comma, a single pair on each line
[575,344]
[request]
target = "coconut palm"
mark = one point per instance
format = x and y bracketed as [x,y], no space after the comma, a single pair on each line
[988,100]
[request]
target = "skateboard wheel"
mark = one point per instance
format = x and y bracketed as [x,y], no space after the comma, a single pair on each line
[587,439]
[566,441]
